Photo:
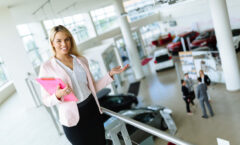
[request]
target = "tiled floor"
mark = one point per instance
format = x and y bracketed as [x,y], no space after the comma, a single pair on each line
[33,126]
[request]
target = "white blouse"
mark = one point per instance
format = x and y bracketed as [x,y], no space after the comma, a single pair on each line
[79,79]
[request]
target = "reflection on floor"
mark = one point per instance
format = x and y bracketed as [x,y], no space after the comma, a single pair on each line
[33,126]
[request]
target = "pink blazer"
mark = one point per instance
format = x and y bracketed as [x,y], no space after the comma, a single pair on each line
[68,111]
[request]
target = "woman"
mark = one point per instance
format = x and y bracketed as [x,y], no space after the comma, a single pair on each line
[205,79]
[81,120]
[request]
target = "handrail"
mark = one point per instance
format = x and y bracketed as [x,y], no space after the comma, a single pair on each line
[145,127]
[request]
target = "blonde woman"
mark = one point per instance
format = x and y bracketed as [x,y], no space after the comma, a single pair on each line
[81,120]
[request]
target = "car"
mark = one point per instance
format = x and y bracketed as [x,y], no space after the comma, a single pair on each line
[150,115]
[162,59]
[163,40]
[116,102]
[206,38]
[175,46]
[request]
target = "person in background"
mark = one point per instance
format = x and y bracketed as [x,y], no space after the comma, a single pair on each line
[205,79]
[189,85]
[203,98]
[81,120]
[186,96]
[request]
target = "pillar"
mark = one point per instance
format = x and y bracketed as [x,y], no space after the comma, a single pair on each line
[226,48]
[133,54]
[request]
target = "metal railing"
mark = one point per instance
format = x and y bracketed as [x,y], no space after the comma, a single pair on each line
[54,116]
[146,128]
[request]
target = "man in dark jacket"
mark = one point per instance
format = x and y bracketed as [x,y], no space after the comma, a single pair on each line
[186,96]
[203,98]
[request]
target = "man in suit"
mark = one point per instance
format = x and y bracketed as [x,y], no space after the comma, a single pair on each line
[203,98]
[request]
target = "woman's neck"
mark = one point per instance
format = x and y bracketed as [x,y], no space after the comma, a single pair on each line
[63,57]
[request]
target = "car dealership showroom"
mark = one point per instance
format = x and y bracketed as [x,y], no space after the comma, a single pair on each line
[161,72]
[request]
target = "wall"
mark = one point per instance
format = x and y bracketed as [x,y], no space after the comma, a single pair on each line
[196,14]
[14,55]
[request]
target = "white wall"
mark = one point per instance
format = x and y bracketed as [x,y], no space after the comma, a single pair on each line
[196,13]
[14,55]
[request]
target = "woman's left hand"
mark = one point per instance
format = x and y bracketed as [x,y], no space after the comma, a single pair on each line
[118,70]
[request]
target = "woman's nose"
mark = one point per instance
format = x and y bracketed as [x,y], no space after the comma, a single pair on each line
[63,43]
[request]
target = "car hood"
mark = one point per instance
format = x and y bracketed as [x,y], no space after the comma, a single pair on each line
[197,42]
[171,45]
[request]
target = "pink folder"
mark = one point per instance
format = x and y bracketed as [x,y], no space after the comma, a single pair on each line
[51,84]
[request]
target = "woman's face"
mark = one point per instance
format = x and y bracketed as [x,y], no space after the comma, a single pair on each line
[61,43]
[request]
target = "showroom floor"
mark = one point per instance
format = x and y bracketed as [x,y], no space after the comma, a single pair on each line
[34,127]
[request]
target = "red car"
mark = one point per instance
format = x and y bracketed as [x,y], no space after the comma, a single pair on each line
[206,38]
[176,44]
[163,40]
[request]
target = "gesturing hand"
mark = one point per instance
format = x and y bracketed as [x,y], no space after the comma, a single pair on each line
[118,70]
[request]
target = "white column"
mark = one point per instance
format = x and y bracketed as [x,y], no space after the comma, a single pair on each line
[14,56]
[130,43]
[228,56]
[142,42]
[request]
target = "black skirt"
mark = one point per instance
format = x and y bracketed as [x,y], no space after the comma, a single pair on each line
[90,129]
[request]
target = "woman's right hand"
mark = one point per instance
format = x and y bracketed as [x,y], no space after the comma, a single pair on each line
[63,92]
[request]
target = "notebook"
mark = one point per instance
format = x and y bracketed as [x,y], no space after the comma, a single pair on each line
[51,84]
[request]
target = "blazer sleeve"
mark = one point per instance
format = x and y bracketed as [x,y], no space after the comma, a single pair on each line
[101,83]
[207,80]
[47,99]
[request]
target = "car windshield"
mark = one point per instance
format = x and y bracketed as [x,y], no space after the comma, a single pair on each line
[203,35]
[162,58]
[176,39]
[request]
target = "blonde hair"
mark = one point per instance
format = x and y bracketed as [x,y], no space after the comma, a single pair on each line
[63,29]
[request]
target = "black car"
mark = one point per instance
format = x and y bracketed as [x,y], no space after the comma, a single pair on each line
[116,103]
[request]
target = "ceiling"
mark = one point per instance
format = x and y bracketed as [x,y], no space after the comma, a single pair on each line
[22,10]
[25,11]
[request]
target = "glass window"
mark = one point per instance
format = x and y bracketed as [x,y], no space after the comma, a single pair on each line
[30,44]
[23,30]
[149,33]
[78,25]
[3,77]
[138,9]
[104,19]
[48,24]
